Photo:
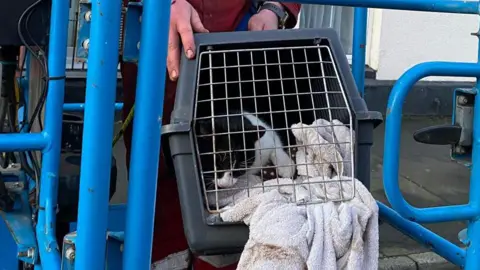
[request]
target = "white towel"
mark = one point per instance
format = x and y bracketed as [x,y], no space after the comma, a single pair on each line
[331,235]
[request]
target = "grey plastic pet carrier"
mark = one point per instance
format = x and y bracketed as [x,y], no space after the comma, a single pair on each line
[284,78]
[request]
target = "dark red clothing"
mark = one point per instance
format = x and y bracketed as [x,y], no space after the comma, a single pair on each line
[169,238]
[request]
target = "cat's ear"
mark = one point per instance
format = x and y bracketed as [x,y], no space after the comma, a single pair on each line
[254,132]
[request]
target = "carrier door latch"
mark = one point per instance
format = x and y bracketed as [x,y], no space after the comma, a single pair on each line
[459,133]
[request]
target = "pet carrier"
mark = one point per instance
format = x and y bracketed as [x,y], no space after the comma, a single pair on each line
[283,77]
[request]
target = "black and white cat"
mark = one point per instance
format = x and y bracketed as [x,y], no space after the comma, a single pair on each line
[260,146]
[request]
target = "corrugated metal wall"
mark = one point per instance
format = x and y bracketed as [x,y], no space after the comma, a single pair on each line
[338,18]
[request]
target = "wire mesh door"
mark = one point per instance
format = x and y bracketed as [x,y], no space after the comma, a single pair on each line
[256,112]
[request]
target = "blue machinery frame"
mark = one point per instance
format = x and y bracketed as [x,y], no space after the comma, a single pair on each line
[99,111]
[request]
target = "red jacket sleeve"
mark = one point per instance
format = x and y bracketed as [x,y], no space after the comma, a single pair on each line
[293,9]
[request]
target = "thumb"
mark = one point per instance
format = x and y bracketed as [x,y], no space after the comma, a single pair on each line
[197,24]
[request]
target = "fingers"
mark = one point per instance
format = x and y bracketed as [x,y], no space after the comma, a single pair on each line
[183,22]
[255,25]
[173,56]
[197,24]
[186,35]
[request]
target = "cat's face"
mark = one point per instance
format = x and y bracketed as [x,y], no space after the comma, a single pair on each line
[234,152]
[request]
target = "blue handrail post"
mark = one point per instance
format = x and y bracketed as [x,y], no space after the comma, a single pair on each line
[472,261]
[391,153]
[358,48]
[45,229]
[146,135]
[79,107]
[445,6]
[97,135]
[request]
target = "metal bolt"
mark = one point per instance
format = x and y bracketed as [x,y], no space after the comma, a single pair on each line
[22,254]
[70,254]
[121,247]
[86,44]
[138,45]
[30,253]
[88,16]
[462,100]
[140,19]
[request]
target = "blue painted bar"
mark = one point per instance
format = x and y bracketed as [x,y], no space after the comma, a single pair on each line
[445,6]
[8,248]
[473,229]
[98,135]
[424,236]
[80,107]
[358,48]
[146,134]
[57,51]
[392,145]
[22,141]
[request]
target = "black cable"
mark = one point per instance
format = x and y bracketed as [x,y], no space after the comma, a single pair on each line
[27,20]
[26,12]
[42,99]
[41,57]
[23,157]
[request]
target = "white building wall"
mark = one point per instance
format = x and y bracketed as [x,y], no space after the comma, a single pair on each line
[407,38]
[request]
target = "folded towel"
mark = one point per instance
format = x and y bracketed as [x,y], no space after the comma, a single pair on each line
[330,235]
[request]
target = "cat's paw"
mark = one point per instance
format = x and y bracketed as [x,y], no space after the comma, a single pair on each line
[227,181]
[286,172]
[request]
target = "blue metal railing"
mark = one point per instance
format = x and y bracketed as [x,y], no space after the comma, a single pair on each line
[97,136]
[146,134]
[78,107]
[470,211]
[359,47]
[445,6]
[48,247]
[99,107]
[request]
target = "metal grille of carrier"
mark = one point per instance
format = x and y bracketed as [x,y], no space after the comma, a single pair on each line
[282,86]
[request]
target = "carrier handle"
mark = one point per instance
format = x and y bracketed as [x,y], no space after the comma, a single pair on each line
[392,146]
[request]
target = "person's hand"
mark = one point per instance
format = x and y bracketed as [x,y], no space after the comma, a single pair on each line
[264,20]
[184,20]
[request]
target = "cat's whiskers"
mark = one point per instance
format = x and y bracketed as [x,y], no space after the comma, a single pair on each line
[245,162]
